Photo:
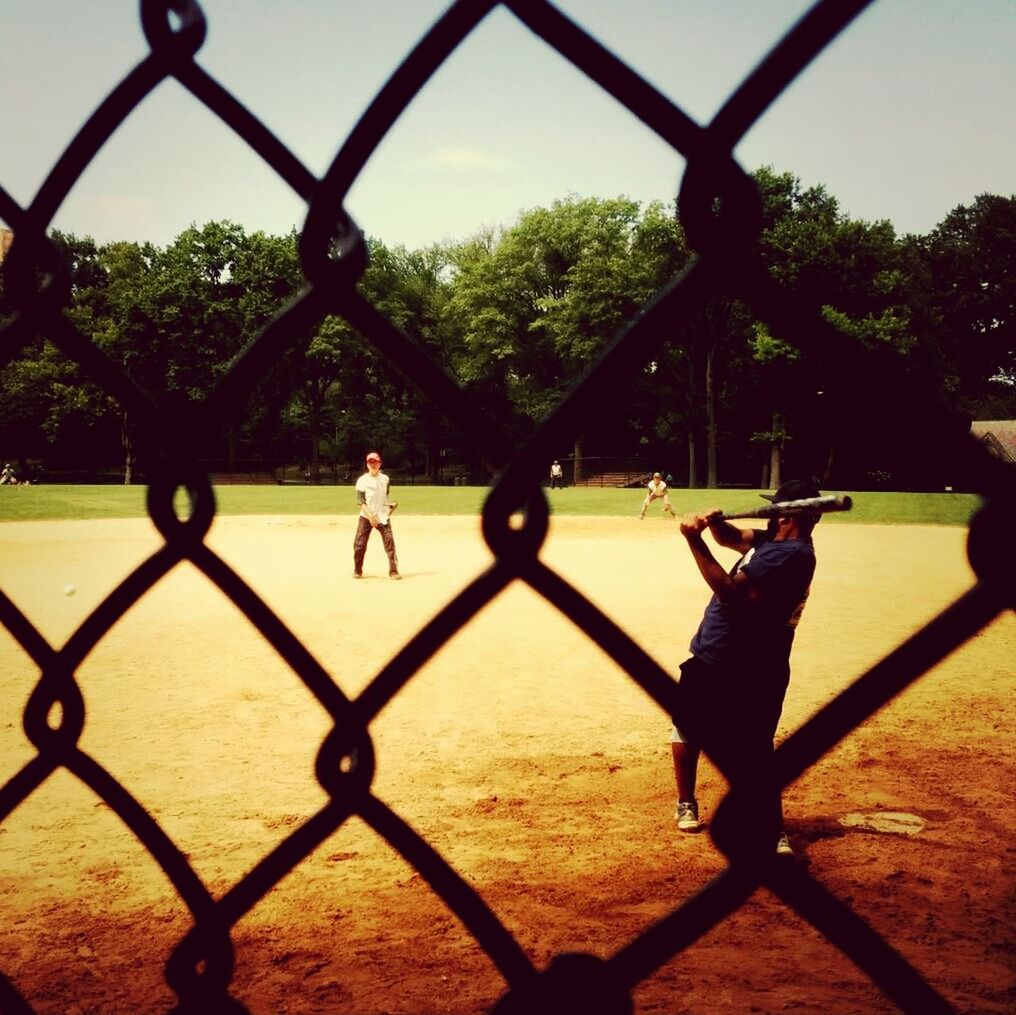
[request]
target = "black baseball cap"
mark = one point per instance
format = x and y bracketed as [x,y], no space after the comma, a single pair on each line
[793,489]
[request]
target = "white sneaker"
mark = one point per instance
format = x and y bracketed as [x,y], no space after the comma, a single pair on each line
[686,816]
[783,847]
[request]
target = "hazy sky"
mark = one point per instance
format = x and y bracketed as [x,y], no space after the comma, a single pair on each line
[911,112]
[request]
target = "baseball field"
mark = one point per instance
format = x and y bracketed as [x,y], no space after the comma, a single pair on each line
[533,764]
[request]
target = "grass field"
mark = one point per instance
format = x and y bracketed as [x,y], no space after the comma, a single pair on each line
[81,502]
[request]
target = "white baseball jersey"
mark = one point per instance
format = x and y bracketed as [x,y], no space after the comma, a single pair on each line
[656,487]
[375,489]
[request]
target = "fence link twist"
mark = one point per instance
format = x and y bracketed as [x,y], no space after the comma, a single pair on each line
[719,210]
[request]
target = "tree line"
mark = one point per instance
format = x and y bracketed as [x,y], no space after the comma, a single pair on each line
[516,314]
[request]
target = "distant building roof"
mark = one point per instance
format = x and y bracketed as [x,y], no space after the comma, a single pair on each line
[1002,430]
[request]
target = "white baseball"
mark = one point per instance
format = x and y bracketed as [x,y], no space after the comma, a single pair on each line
[69,590]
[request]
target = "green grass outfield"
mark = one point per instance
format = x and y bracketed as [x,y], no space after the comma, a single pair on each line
[72,502]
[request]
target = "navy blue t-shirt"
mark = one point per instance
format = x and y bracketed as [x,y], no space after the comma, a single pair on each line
[760,633]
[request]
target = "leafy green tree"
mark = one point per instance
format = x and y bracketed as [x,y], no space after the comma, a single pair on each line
[709,366]
[267,274]
[971,258]
[411,289]
[535,304]
[49,407]
[325,378]
[179,316]
[858,274]
[516,314]
[117,325]
[190,312]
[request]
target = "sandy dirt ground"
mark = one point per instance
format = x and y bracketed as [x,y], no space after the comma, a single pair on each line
[528,759]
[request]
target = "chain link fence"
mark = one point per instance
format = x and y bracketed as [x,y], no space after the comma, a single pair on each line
[718,207]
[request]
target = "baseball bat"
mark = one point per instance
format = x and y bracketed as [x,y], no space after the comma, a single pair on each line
[811,505]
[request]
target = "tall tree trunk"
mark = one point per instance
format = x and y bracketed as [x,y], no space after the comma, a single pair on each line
[711,477]
[577,476]
[776,464]
[776,451]
[128,450]
[411,449]
[433,454]
[316,400]
[692,416]
[315,456]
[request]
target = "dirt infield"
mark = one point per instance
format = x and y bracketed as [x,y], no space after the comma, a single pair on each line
[534,765]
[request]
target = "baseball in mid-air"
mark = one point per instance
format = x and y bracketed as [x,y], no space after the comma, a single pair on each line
[69,590]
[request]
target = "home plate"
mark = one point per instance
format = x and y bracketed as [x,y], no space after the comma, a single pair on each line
[895,822]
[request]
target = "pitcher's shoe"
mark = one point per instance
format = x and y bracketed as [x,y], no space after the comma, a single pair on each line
[783,847]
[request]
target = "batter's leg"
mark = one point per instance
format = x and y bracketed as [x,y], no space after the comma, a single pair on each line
[686,760]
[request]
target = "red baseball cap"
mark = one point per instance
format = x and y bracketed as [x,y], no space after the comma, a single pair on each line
[373,456]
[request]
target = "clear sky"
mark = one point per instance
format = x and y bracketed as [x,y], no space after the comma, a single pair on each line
[910,113]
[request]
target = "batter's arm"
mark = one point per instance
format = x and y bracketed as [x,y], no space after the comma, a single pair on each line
[731,536]
[726,587]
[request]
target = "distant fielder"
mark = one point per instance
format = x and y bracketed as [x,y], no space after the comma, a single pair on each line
[375,513]
[656,490]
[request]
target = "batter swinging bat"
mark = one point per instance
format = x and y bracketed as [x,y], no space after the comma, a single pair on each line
[809,505]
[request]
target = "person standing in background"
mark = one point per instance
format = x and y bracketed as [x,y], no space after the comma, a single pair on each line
[372,496]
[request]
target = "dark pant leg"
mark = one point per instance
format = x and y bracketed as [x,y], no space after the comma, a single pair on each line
[363,528]
[733,714]
[389,540]
[754,730]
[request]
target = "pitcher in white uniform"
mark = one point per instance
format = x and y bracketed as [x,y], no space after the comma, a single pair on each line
[376,507]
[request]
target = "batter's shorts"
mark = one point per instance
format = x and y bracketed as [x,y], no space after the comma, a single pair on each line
[724,704]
